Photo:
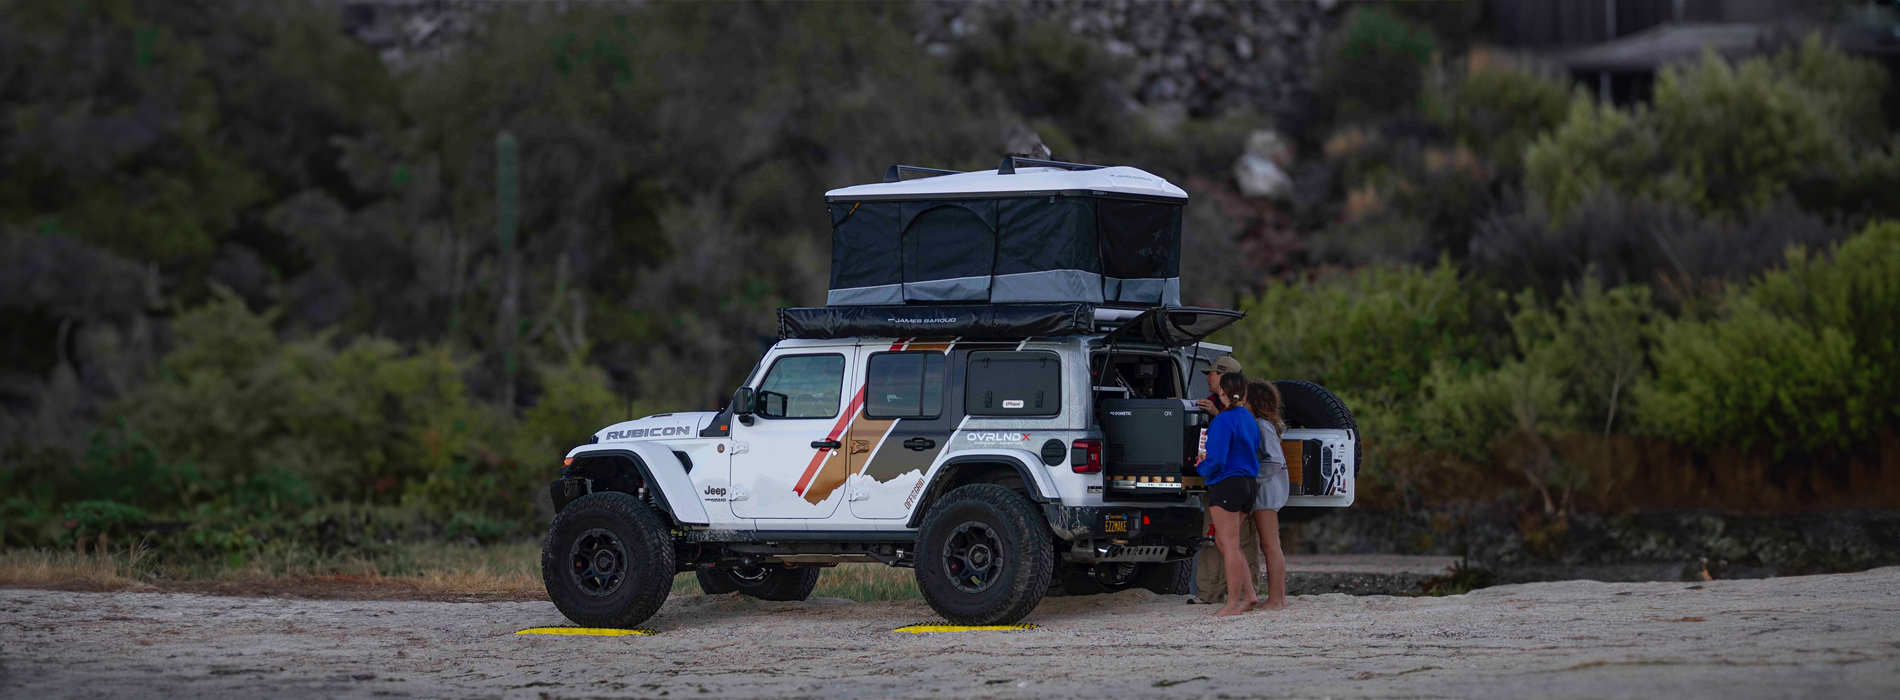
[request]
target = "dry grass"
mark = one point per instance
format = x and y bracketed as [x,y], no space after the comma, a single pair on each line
[397,572]
[64,570]
[403,572]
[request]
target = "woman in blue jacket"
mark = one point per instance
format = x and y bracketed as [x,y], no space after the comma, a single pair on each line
[1230,467]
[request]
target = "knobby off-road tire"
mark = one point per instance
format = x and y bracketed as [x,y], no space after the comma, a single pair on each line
[770,582]
[607,561]
[1307,405]
[984,556]
[1168,578]
[1165,578]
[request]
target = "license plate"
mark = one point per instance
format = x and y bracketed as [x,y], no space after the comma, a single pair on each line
[1115,525]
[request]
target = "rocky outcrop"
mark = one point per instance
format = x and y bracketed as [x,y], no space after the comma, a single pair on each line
[1200,56]
[1189,57]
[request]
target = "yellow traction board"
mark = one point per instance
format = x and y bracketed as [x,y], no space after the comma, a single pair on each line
[585,631]
[931,628]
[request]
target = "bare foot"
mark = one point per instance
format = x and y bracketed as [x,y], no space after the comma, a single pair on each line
[1271,604]
[1230,611]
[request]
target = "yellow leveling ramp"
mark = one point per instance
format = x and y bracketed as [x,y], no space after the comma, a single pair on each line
[584,631]
[927,629]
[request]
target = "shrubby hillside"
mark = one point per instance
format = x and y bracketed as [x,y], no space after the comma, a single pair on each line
[258,286]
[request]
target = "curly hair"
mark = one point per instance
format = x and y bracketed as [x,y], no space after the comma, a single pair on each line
[1264,400]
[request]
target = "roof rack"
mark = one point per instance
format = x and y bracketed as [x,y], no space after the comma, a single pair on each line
[1010,162]
[896,173]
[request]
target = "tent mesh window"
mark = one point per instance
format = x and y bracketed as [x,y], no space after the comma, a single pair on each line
[1020,250]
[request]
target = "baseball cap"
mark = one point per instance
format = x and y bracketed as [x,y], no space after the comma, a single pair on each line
[1225,365]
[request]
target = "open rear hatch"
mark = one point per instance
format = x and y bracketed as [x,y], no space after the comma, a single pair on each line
[1172,326]
[1151,443]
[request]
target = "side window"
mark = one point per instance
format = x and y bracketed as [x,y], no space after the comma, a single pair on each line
[802,386]
[1010,383]
[904,385]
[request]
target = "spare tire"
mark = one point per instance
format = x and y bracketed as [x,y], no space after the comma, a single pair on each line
[1304,404]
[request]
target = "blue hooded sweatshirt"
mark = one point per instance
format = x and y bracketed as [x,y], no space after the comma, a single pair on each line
[1232,447]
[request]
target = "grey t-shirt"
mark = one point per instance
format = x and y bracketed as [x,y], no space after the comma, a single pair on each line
[1271,456]
[1274,486]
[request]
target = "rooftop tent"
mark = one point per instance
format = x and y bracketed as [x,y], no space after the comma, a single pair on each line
[1043,233]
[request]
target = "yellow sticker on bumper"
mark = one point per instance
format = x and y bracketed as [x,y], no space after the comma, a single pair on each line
[929,629]
[585,631]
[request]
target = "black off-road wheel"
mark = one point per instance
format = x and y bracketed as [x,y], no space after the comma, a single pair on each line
[1307,405]
[1165,578]
[768,582]
[984,556]
[607,561]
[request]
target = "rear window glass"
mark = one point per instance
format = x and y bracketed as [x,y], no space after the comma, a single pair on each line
[904,385]
[1013,383]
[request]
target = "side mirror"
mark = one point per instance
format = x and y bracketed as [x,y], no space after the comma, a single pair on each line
[741,405]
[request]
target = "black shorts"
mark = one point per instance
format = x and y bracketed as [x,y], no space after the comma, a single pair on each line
[1233,494]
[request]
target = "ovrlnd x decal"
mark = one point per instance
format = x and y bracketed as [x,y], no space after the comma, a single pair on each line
[993,438]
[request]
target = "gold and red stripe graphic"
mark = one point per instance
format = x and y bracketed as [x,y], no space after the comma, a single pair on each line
[815,485]
[862,463]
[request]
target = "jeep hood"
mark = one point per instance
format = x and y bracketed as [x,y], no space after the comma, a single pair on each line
[666,426]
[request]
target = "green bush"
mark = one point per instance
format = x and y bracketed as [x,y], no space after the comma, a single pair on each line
[1804,359]
[1739,135]
[1720,138]
[1374,64]
[480,528]
[1466,413]
[1499,110]
[1597,147]
[1594,341]
[95,518]
[353,422]
[1373,333]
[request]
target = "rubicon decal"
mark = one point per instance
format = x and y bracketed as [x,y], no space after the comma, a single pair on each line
[668,431]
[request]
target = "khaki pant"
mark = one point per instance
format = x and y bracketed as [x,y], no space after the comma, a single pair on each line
[1209,574]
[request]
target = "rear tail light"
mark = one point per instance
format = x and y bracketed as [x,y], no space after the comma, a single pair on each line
[1085,456]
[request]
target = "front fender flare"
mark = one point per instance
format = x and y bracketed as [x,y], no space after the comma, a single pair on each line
[673,491]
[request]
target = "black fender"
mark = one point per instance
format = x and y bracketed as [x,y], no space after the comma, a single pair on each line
[952,472]
[627,468]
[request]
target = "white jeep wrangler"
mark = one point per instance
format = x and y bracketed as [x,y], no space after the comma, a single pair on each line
[996,448]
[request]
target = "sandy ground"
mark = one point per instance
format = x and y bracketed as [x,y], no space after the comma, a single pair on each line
[1819,636]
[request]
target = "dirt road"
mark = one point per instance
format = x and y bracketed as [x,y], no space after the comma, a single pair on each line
[1819,636]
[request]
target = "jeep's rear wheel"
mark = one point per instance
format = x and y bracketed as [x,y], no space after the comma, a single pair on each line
[768,582]
[607,561]
[984,556]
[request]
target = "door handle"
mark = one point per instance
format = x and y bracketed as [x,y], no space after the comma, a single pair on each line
[919,444]
[827,444]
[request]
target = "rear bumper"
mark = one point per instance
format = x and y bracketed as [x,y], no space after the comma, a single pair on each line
[1177,528]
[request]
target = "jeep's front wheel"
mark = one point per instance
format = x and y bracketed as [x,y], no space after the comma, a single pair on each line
[607,561]
[984,556]
[769,582]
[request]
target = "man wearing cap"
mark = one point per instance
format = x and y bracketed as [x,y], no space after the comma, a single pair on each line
[1210,577]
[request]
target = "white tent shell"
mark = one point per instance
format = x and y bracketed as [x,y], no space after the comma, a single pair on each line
[1044,232]
[1027,181]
